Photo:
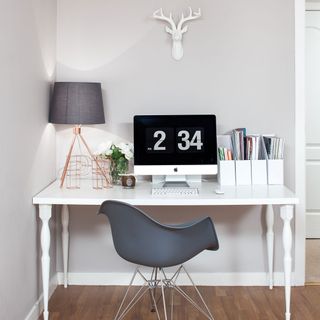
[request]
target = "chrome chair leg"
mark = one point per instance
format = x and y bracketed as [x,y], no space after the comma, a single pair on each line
[152,291]
[136,298]
[127,291]
[171,314]
[162,283]
[206,312]
[199,294]
[163,295]
[155,303]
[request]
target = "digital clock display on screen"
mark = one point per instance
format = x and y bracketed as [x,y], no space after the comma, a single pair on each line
[175,139]
[170,140]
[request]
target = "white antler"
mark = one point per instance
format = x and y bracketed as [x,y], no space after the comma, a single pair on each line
[192,16]
[158,14]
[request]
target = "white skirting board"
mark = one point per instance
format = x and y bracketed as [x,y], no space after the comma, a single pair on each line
[312,225]
[201,279]
[38,306]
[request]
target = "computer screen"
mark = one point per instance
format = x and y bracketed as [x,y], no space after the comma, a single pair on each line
[175,144]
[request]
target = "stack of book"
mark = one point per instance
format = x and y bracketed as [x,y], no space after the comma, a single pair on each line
[258,158]
[274,147]
[238,143]
[250,147]
[246,147]
[225,148]
[254,148]
[225,154]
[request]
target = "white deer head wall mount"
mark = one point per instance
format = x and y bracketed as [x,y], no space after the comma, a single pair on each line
[177,30]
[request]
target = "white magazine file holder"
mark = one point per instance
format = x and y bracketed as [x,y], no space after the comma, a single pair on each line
[275,169]
[226,172]
[259,167]
[243,172]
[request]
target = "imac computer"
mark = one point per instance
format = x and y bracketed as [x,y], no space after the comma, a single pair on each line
[175,148]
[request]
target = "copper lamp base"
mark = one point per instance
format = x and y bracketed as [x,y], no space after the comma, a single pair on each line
[77,134]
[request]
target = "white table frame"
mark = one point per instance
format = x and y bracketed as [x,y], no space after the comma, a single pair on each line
[270,196]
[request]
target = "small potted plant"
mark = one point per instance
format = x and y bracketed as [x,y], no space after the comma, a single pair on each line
[119,154]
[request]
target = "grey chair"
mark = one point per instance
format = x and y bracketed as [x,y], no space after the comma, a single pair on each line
[145,242]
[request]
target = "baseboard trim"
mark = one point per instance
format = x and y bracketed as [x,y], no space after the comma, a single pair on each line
[37,308]
[202,279]
[312,223]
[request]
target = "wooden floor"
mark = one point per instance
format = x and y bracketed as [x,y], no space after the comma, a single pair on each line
[226,303]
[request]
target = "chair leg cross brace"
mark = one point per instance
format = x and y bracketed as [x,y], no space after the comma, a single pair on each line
[159,280]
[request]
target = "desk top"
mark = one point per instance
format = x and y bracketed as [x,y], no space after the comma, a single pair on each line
[141,195]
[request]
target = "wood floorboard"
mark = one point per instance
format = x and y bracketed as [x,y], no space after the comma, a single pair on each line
[225,303]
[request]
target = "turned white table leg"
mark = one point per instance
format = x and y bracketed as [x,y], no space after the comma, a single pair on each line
[45,215]
[270,242]
[65,242]
[286,213]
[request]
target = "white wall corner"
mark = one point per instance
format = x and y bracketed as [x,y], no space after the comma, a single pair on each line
[37,308]
[300,184]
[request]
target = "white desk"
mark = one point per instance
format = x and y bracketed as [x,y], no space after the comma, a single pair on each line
[141,195]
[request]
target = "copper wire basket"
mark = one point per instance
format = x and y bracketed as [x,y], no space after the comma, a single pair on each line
[101,177]
[74,172]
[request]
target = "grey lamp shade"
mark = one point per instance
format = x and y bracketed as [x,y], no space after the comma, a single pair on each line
[76,103]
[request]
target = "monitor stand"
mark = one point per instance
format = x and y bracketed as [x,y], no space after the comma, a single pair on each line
[175,180]
[176,184]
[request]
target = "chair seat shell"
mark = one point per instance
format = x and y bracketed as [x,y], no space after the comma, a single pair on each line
[140,239]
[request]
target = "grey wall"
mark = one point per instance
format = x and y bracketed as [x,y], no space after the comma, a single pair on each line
[27,144]
[238,64]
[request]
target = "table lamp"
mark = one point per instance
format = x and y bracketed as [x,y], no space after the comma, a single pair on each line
[77,103]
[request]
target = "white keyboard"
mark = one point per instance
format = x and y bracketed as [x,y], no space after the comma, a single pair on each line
[175,191]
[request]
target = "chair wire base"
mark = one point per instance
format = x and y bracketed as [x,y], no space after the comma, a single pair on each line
[159,280]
